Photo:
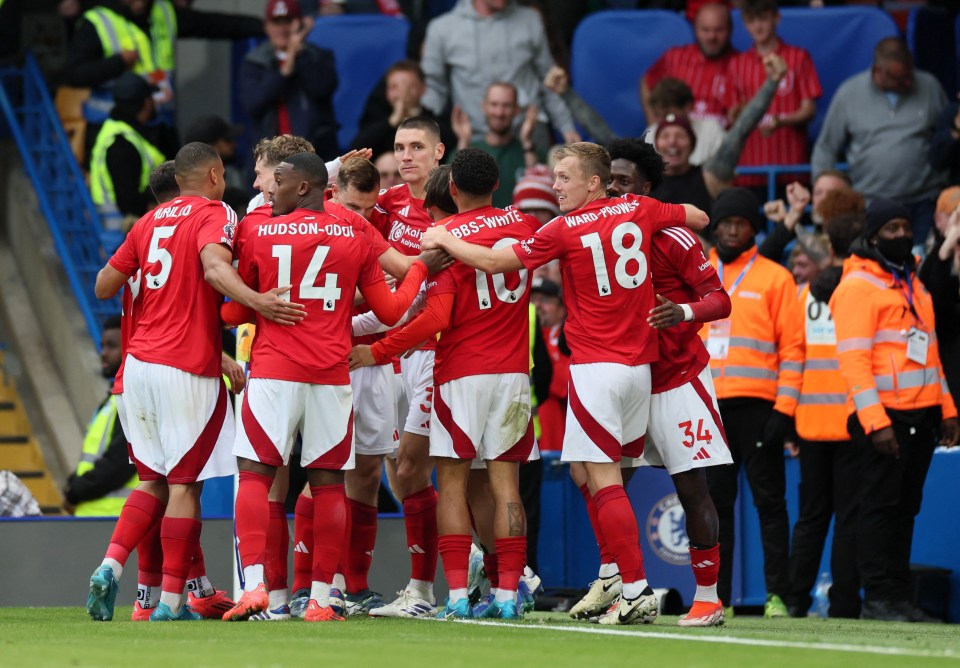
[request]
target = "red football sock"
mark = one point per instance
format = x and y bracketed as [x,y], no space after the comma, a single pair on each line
[618,522]
[139,514]
[491,566]
[455,552]
[278,542]
[150,558]
[329,526]
[706,565]
[512,555]
[606,556]
[345,551]
[420,517]
[180,537]
[303,543]
[198,567]
[251,516]
[363,538]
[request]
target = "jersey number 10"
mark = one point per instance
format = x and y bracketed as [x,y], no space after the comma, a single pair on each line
[500,289]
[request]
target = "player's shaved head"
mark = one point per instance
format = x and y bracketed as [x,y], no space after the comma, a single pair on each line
[194,159]
[427,125]
[163,182]
[310,167]
[475,172]
[437,191]
[592,159]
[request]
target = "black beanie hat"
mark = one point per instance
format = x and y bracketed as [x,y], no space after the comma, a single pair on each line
[880,212]
[738,202]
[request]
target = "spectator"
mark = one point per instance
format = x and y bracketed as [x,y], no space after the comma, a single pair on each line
[122,158]
[756,360]
[883,118]
[702,66]
[675,141]
[386,163]
[513,153]
[827,181]
[482,41]
[588,117]
[337,7]
[890,362]
[395,98]
[534,195]
[140,36]
[945,145]
[808,258]
[829,464]
[940,277]
[222,136]
[781,138]
[288,83]
[104,477]
[672,96]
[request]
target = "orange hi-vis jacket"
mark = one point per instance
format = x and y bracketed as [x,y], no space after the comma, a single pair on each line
[881,360]
[822,410]
[757,351]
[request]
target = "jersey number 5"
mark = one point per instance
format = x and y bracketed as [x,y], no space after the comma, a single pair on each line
[500,289]
[329,293]
[161,256]
[624,277]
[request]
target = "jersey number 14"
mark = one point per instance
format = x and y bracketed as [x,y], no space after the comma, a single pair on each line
[329,293]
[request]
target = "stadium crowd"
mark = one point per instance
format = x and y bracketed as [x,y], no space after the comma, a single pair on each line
[630,304]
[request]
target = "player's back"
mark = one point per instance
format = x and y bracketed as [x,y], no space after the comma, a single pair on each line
[679,267]
[178,320]
[604,251]
[489,326]
[324,256]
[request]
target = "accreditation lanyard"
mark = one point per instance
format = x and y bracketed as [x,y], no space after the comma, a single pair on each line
[736,283]
[899,283]
[918,340]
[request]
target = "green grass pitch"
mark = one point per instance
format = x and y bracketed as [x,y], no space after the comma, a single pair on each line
[66,637]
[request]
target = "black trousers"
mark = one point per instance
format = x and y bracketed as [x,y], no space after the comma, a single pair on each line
[531,481]
[891,490]
[743,422]
[829,478]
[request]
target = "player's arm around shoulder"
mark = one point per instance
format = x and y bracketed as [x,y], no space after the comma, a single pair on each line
[476,256]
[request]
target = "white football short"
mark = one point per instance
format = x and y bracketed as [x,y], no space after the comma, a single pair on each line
[178,424]
[483,417]
[374,410]
[417,372]
[685,430]
[608,407]
[274,411]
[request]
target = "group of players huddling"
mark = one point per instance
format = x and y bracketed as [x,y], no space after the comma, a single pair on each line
[636,287]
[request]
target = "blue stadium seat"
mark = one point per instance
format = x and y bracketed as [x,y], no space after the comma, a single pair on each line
[611,51]
[365,46]
[840,41]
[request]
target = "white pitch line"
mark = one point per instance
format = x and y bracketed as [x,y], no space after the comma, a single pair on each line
[725,640]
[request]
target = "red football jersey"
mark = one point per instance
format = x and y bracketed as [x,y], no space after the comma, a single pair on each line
[603,250]
[130,306]
[325,257]
[788,144]
[179,324]
[490,323]
[402,219]
[682,274]
[242,235]
[707,77]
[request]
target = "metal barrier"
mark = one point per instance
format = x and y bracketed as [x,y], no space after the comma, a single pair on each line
[62,193]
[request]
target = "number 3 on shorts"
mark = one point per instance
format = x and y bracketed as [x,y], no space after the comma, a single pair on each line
[625,278]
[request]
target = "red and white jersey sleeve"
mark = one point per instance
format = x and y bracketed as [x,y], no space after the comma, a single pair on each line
[179,324]
[325,258]
[489,327]
[604,252]
[682,274]
[401,218]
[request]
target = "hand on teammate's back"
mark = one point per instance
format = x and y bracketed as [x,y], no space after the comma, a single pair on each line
[271,306]
[667,314]
[436,260]
[433,237]
[361,356]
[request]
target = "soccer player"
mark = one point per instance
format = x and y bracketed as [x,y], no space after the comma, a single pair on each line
[402,219]
[172,371]
[603,246]
[685,431]
[299,380]
[482,395]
